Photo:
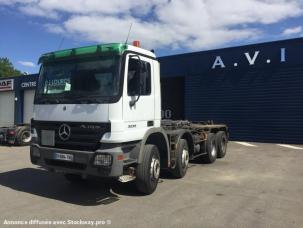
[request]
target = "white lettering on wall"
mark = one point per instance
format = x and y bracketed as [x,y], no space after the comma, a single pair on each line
[218,62]
[28,84]
[7,84]
[252,60]
[283,55]
[166,114]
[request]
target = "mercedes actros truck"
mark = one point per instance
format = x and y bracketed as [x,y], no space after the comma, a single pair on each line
[97,112]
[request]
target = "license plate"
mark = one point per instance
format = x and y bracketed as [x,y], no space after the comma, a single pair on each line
[64,157]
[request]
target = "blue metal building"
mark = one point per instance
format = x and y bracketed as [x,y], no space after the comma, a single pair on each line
[256,89]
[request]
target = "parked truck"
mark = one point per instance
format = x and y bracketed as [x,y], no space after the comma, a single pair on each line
[97,112]
[15,135]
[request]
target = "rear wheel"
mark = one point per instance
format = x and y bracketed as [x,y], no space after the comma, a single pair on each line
[23,137]
[221,142]
[148,171]
[182,159]
[211,149]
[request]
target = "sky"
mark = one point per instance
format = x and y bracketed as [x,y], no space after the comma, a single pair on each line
[29,28]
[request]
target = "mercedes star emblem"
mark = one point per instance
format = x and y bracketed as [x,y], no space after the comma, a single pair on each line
[64,132]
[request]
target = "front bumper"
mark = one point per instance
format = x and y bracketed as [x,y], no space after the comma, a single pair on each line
[83,162]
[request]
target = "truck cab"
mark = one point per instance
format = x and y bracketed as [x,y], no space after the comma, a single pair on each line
[97,112]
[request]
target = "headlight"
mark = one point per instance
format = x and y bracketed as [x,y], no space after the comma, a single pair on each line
[103,160]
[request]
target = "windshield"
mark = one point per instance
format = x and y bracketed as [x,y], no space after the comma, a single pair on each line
[95,79]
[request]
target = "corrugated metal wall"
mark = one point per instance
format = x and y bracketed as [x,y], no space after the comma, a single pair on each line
[261,102]
[257,105]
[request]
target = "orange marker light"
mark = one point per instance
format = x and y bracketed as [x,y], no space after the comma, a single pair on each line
[120,157]
[136,43]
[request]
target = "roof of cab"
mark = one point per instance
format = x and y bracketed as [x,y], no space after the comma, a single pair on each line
[114,48]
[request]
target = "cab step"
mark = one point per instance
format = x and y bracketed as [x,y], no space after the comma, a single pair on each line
[126,178]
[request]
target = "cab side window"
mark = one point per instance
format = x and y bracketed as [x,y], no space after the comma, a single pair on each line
[138,73]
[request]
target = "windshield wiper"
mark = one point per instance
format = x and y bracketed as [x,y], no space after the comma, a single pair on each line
[49,101]
[84,98]
[88,100]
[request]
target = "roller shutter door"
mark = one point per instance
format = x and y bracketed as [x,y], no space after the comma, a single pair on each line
[172,95]
[7,108]
[28,105]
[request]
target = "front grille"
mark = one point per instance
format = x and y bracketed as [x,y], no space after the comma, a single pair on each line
[84,136]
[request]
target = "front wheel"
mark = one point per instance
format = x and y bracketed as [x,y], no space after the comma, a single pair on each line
[148,171]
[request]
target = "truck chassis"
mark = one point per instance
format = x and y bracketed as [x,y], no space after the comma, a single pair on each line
[196,134]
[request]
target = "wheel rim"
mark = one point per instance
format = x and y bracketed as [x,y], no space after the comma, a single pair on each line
[213,150]
[185,157]
[155,168]
[26,137]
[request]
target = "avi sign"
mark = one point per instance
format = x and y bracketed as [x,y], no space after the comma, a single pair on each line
[251,59]
[6,84]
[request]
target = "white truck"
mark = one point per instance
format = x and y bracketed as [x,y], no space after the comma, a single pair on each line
[97,112]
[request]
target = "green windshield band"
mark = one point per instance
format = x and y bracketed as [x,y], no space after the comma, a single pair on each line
[100,49]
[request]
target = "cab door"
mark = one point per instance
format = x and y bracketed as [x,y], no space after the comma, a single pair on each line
[138,95]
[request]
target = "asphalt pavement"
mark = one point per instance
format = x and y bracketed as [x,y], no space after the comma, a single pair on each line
[255,185]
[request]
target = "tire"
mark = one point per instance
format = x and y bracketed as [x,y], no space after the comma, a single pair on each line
[73,178]
[221,142]
[182,159]
[23,137]
[211,149]
[148,171]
